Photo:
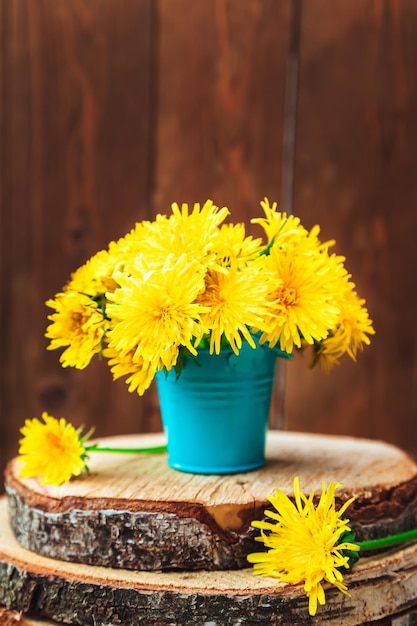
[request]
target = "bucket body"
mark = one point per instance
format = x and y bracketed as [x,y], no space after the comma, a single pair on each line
[215,413]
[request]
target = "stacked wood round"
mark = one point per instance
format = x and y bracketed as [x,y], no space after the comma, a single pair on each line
[135,542]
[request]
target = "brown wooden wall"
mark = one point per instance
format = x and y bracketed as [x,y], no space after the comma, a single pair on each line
[112,109]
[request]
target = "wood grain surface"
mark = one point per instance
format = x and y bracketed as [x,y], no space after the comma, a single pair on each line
[76,108]
[135,512]
[356,131]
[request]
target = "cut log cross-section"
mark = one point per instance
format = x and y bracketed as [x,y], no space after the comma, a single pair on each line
[86,595]
[134,513]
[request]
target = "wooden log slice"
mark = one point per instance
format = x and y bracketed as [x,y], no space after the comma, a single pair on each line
[380,588]
[17,618]
[135,512]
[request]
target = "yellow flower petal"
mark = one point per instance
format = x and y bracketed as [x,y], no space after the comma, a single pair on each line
[51,451]
[78,325]
[235,300]
[155,312]
[304,543]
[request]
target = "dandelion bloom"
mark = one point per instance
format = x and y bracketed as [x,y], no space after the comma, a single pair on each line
[94,278]
[192,232]
[155,311]
[196,230]
[277,226]
[305,542]
[349,334]
[77,325]
[139,373]
[304,302]
[236,300]
[52,451]
[232,243]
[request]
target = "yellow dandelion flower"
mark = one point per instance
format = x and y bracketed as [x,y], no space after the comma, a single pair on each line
[305,542]
[350,333]
[154,312]
[192,232]
[305,304]
[140,242]
[152,240]
[129,245]
[279,227]
[94,278]
[77,323]
[232,243]
[51,451]
[326,359]
[237,301]
[198,225]
[139,373]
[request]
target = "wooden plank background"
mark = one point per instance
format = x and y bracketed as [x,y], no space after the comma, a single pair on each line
[112,109]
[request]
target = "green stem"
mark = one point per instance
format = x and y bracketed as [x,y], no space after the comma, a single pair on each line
[267,248]
[386,542]
[150,450]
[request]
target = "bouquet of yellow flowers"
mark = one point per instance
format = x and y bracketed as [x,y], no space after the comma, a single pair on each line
[188,281]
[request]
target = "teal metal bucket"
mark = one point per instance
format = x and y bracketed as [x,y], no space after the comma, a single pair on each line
[215,414]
